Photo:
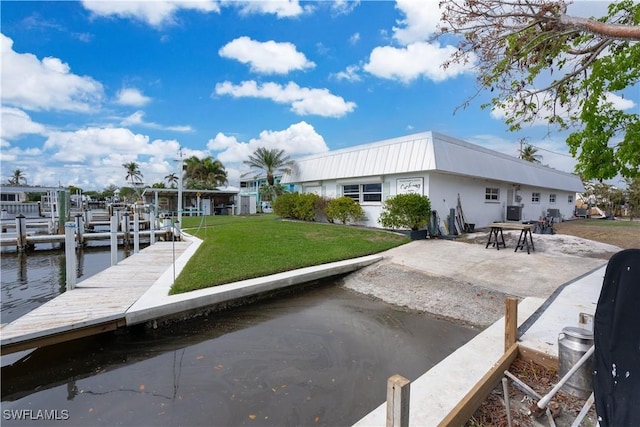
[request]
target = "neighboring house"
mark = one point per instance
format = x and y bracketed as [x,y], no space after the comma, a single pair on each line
[491,186]
[250,188]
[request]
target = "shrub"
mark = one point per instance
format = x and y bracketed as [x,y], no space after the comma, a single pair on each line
[305,207]
[344,209]
[284,205]
[411,211]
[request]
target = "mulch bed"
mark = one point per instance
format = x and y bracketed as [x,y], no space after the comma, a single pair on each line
[492,412]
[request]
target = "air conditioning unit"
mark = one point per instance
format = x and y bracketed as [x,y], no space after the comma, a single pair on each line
[514,213]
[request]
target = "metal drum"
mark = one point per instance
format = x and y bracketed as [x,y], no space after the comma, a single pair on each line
[573,343]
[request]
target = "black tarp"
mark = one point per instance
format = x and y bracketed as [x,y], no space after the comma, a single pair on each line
[616,379]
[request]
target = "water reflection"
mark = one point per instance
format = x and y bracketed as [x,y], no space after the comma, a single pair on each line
[318,357]
[31,279]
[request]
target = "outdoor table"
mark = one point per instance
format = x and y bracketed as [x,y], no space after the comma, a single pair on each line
[497,239]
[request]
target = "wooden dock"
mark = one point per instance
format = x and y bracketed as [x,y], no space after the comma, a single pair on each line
[97,304]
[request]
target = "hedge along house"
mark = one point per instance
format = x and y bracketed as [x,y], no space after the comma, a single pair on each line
[491,186]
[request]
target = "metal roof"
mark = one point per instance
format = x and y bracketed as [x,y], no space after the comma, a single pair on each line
[429,151]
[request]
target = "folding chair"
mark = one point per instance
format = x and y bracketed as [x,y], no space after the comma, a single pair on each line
[616,377]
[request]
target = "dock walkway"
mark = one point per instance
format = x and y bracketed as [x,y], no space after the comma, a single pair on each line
[137,290]
[95,305]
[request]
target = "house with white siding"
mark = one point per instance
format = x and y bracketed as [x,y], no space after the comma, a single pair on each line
[491,186]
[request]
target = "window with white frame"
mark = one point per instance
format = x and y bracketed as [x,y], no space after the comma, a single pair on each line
[491,194]
[570,198]
[363,192]
[552,198]
[535,197]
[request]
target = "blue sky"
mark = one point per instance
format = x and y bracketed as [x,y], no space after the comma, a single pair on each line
[88,86]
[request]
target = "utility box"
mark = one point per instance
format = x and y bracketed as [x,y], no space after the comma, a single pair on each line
[514,213]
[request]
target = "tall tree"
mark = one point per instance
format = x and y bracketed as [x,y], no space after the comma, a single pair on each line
[269,162]
[133,173]
[530,154]
[542,64]
[172,179]
[17,177]
[206,174]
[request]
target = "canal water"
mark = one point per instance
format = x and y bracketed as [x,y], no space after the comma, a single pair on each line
[319,356]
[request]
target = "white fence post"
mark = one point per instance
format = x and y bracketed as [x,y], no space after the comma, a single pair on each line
[114,239]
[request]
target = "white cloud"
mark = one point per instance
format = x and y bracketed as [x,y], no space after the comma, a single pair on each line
[420,59]
[349,74]
[303,101]
[31,84]
[619,102]
[280,8]
[344,7]
[16,123]
[355,38]
[137,119]
[266,57]
[132,97]
[153,12]
[297,140]
[421,19]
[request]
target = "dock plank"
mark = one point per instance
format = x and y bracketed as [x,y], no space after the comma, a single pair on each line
[100,299]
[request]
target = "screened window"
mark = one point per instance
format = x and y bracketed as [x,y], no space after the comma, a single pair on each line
[491,194]
[8,197]
[570,198]
[552,198]
[363,192]
[535,197]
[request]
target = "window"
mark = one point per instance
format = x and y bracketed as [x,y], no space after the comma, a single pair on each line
[363,192]
[552,198]
[491,194]
[8,197]
[372,192]
[570,198]
[535,197]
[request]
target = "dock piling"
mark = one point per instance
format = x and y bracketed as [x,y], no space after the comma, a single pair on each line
[70,254]
[152,227]
[80,230]
[113,226]
[136,233]
[21,233]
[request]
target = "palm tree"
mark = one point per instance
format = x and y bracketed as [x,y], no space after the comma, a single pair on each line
[207,173]
[529,153]
[270,162]
[18,177]
[133,173]
[172,179]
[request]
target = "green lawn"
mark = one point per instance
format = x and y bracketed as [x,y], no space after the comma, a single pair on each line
[242,247]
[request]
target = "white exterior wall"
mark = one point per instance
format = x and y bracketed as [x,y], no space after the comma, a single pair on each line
[443,190]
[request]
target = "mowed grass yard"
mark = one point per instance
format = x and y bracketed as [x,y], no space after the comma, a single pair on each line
[243,247]
[622,233]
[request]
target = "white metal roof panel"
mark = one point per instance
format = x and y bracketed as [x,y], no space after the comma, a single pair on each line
[429,151]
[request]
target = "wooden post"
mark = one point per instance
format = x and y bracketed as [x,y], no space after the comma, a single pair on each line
[136,233]
[398,401]
[510,322]
[114,239]
[126,228]
[80,230]
[152,227]
[21,233]
[70,254]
